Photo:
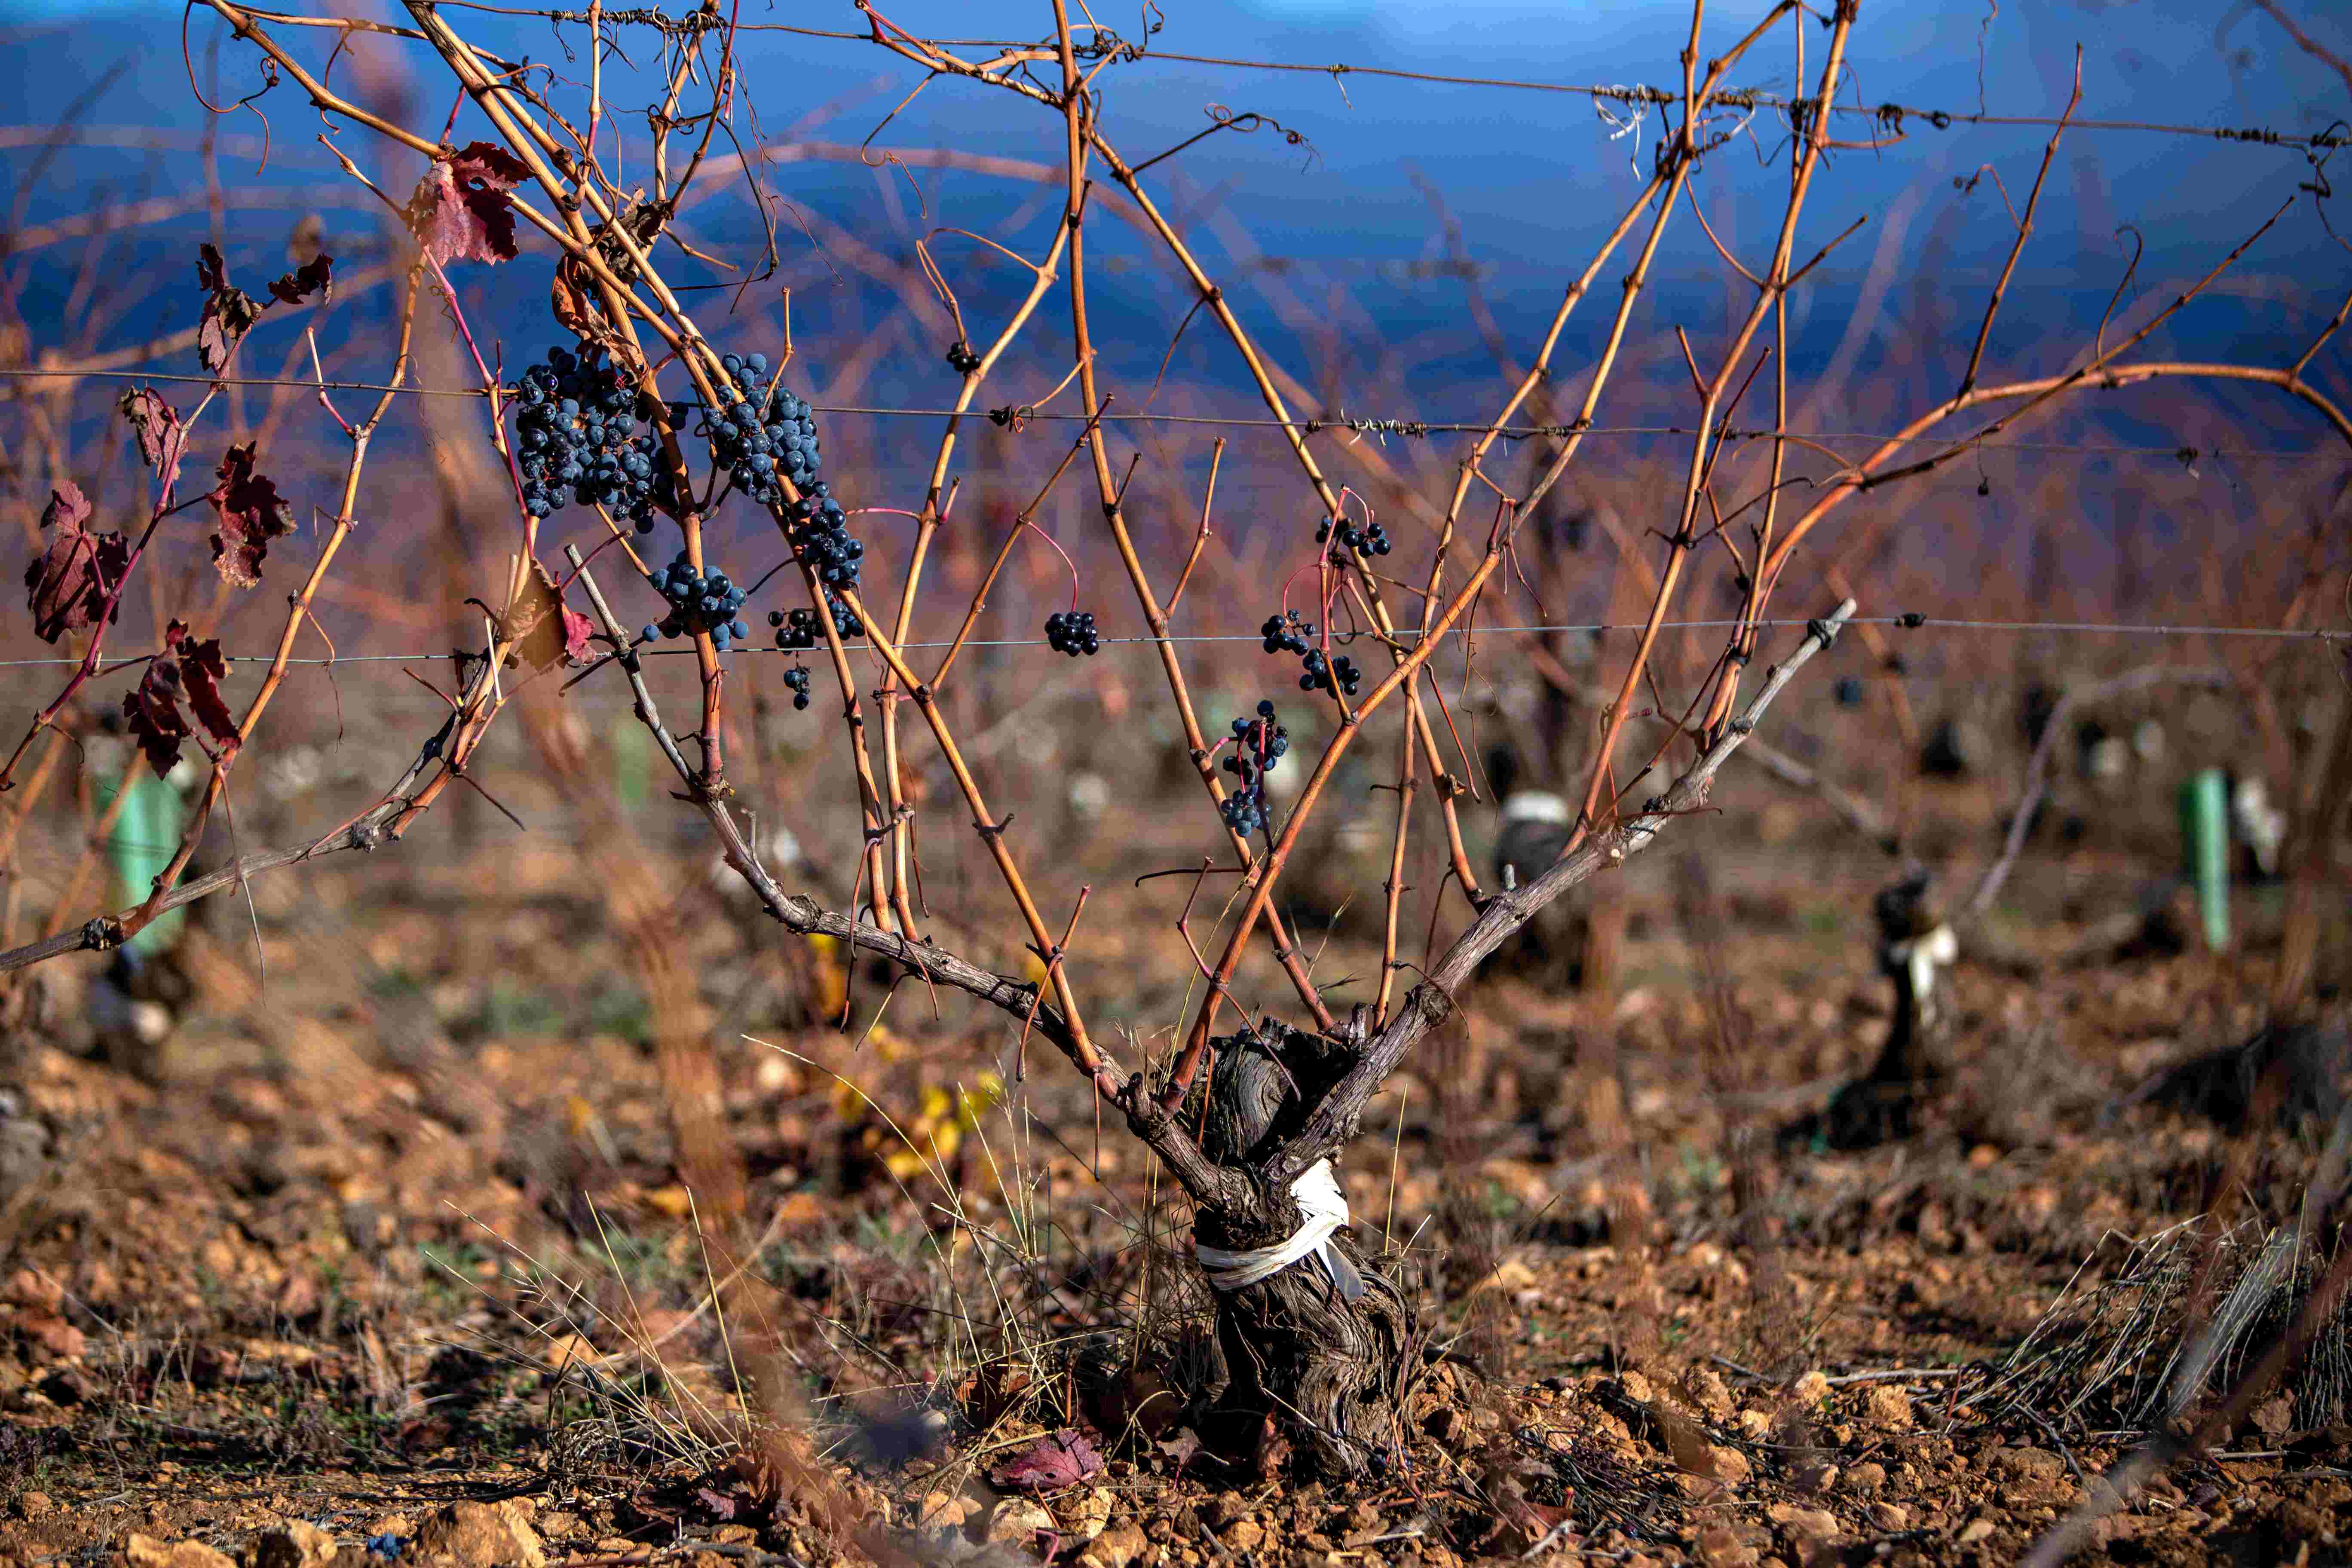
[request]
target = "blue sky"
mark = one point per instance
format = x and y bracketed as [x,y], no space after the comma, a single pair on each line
[1530,176]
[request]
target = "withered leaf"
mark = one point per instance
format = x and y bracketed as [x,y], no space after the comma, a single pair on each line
[248,513]
[156,425]
[577,629]
[70,580]
[152,706]
[229,311]
[572,298]
[1051,1463]
[539,624]
[186,669]
[302,245]
[202,667]
[316,276]
[462,209]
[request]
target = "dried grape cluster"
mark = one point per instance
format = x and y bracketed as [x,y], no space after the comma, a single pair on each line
[1368,540]
[1259,744]
[579,442]
[698,602]
[1073,633]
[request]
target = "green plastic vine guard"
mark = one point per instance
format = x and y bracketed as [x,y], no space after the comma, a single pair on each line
[145,836]
[632,762]
[2205,837]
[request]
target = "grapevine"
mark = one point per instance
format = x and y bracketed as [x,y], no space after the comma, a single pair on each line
[1073,633]
[698,602]
[1259,744]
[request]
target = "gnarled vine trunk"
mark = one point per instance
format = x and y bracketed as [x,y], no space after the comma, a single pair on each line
[1882,1105]
[1329,1352]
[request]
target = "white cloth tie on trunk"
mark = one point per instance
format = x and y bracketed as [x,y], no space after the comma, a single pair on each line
[1323,1210]
[1925,956]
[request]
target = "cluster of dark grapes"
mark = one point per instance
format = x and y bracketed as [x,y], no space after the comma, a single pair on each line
[1368,540]
[1317,675]
[1073,633]
[767,436]
[798,630]
[698,602]
[819,529]
[1290,632]
[762,433]
[797,677]
[1286,632]
[578,428]
[1258,747]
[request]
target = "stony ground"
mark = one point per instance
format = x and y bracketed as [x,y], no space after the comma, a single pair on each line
[390,1255]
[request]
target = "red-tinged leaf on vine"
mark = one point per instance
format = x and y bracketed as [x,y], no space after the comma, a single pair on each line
[155,423]
[248,513]
[229,311]
[202,667]
[463,209]
[69,581]
[316,276]
[152,706]
[577,628]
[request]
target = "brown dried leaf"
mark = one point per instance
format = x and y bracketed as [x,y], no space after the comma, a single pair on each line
[316,276]
[203,666]
[229,311]
[69,581]
[539,624]
[152,706]
[248,513]
[162,441]
[572,299]
[462,209]
[302,245]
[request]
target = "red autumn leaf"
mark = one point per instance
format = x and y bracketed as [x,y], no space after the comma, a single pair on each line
[316,276]
[156,425]
[1050,1464]
[577,629]
[203,666]
[186,669]
[229,311]
[462,209]
[249,513]
[69,581]
[152,706]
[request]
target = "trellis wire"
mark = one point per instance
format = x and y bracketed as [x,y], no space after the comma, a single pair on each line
[1409,429]
[1404,634]
[1890,114]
